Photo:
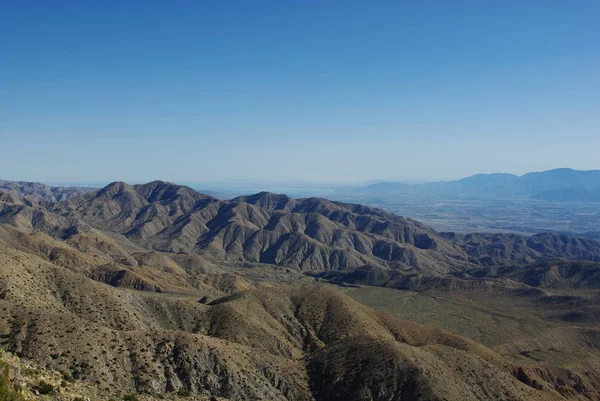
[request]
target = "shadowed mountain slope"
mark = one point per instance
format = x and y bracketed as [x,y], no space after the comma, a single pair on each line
[548,274]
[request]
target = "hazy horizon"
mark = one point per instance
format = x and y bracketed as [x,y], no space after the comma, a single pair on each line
[258,185]
[336,92]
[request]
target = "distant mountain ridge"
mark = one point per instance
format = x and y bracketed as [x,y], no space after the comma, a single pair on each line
[310,234]
[34,192]
[563,185]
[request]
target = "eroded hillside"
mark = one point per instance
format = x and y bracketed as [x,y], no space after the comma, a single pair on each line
[306,234]
[156,289]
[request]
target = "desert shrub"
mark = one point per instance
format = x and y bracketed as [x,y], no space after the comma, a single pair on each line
[66,376]
[184,393]
[130,397]
[7,390]
[29,372]
[44,388]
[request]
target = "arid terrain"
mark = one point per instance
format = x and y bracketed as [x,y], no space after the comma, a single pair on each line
[157,291]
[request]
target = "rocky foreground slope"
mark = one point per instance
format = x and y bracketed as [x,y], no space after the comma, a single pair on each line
[279,343]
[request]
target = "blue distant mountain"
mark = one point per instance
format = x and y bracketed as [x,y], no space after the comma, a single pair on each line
[563,185]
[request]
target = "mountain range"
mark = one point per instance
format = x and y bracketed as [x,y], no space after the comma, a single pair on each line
[157,289]
[563,185]
[309,234]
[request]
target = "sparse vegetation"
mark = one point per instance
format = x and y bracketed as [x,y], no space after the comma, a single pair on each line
[66,376]
[44,388]
[7,389]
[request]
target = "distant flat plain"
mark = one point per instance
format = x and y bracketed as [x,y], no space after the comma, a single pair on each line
[452,213]
[464,215]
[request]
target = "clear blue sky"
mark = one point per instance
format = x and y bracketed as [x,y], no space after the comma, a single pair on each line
[306,90]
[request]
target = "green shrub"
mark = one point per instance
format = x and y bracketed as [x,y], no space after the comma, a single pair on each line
[7,390]
[44,388]
[66,376]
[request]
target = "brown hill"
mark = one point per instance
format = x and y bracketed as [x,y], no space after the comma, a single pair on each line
[551,274]
[306,234]
[150,271]
[288,343]
[555,274]
[551,327]
[497,249]
[36,193]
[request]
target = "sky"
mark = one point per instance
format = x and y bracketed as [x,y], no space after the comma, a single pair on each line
[296,90]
